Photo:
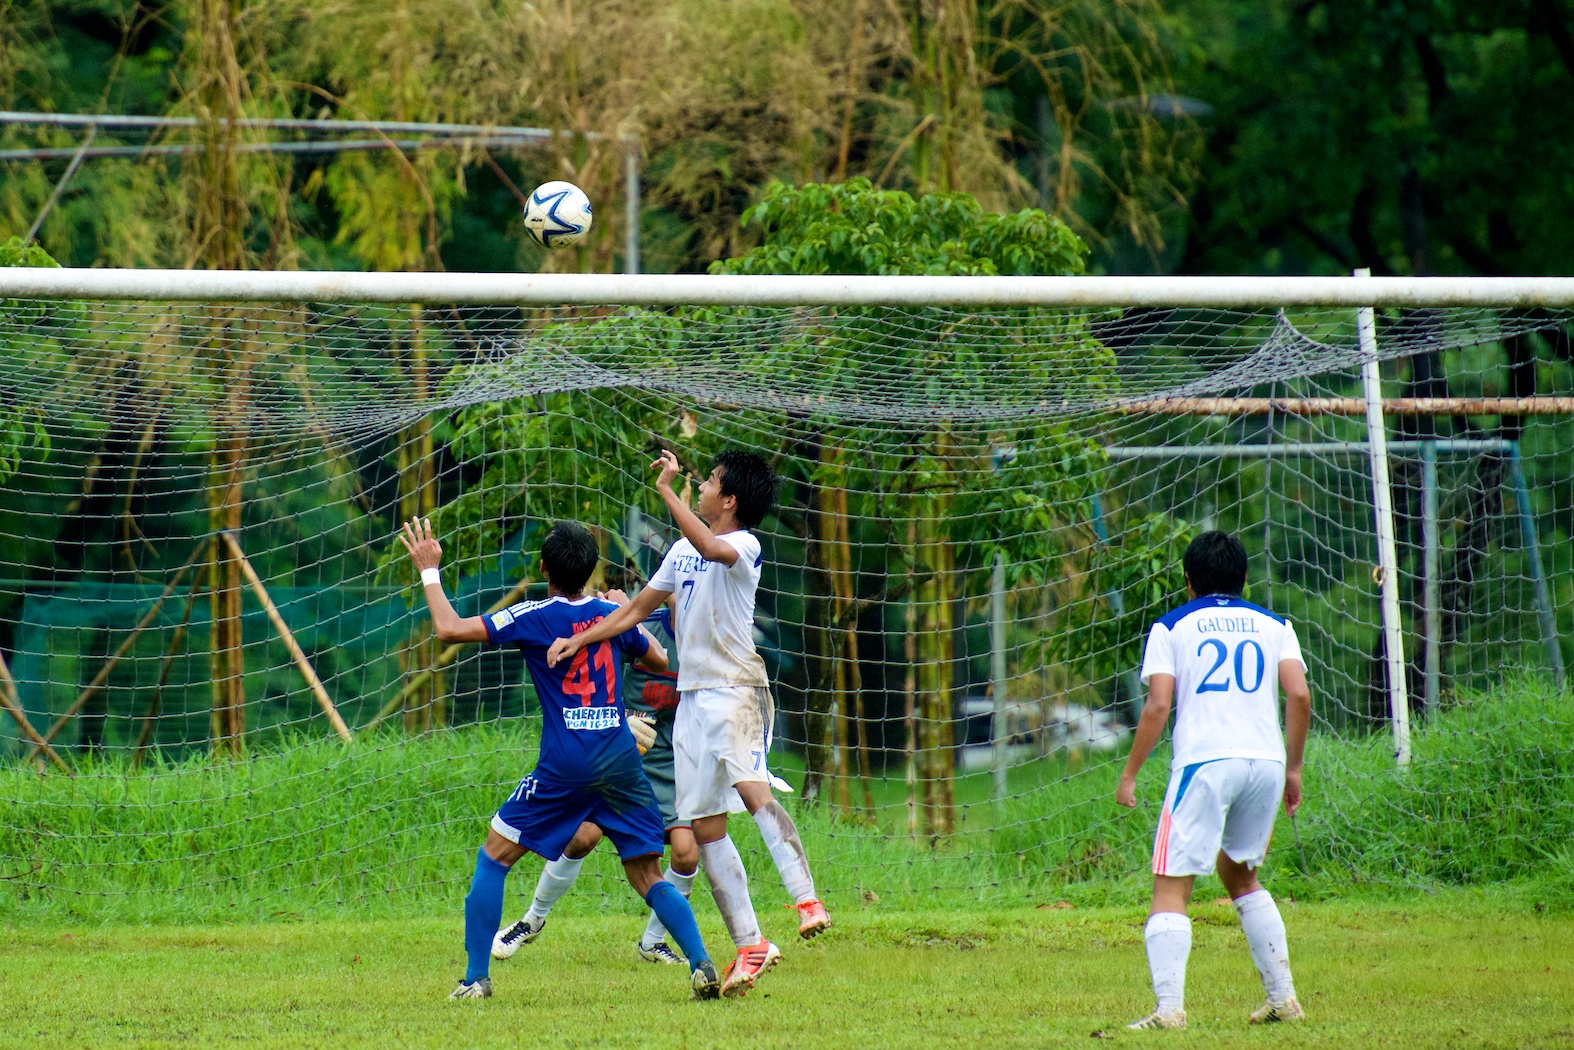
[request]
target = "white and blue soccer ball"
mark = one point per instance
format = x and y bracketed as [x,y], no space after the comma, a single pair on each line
[557,214]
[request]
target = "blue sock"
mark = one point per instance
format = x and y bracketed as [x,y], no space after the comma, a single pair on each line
[483,913]
[676,915]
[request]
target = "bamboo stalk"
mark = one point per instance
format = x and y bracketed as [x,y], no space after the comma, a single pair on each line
[446,657]
[120,651]
[13,707]
[855,681]
[146,732]
[910,679]
[301,662]
[830,558]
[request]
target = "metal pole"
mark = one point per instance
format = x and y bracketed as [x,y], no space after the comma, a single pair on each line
[1432,604]
[387,127]
[1299,448]
[1267,515]
[1387,556]
[631,204]
[997,671]
[1527,529]
[816,290]
[60,187]
[294,148]
[1117,605]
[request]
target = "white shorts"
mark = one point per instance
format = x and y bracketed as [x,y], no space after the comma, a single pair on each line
[719,738]
[1228,804]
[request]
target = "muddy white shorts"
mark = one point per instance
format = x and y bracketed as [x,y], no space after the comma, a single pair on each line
[1228,804]
[719,738]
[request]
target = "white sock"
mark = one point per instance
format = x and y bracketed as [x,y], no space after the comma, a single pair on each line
[729,885]
[1168,934]
[556,879]
[655,932]
[1270,949]
[781,838]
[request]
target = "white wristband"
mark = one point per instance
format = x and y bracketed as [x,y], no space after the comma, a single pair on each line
[431,576]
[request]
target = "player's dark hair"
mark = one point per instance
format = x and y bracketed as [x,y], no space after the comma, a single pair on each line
[568,556]
[750,480]
[1215,563]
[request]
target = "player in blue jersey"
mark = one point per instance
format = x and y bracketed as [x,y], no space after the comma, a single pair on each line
[722,733]
[651,697]
[1220,659]
[588,769]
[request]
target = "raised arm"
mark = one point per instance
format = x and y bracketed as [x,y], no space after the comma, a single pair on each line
[1297,720]
[427,554]
[1156,712]
[630,615]
[689,523]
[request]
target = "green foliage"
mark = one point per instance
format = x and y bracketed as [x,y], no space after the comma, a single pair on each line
[1144,570]
[21,426]
[388,825]
[1409,137]
[1488,794]
[854,228]
[17,252]
[304,824]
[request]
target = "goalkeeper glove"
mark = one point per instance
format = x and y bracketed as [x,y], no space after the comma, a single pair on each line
[644,731]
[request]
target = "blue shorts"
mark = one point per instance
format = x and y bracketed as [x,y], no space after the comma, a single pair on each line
[542,815]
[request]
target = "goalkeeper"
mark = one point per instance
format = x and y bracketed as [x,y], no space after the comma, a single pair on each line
[652,698]
[589,765]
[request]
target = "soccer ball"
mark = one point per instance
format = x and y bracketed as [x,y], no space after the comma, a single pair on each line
[557,214]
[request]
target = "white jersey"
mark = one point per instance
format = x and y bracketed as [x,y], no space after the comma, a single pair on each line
[1224,654]
[714,617]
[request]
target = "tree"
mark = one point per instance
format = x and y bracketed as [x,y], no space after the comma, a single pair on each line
[1411,138]
[20,428]
[933,472]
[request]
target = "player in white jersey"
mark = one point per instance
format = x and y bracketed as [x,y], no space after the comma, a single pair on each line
[1221,660]
[722,732]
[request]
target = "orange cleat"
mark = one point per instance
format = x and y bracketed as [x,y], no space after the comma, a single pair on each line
[812,920]
[742,972]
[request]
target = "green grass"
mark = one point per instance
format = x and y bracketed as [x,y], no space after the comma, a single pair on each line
[1447,970]
[389,826]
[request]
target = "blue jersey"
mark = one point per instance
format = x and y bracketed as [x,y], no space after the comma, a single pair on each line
[583,737]
[650,692]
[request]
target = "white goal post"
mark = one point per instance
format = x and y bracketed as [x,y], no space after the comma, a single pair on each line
[1360,293]
[524,289]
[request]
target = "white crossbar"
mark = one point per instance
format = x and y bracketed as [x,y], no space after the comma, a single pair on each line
[297,286]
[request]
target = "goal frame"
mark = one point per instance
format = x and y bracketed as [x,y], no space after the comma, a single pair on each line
[1360,292]
[559,289]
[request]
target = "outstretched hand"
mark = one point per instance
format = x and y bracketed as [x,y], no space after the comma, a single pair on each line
[667,463]
[561,650]
[424,549]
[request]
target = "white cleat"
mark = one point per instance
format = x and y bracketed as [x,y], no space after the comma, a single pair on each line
[480,988]
[1271,1012]
[1156,1020]
[659,953]
[507,941]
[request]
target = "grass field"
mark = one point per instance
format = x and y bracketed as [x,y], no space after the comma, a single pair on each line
[1446,970]
[388,828]
[311,896]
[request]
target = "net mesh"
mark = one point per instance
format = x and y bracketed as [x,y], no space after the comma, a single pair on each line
[981,512]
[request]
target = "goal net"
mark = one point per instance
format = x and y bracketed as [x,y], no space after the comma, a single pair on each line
[223,693]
